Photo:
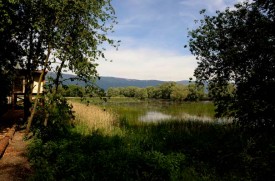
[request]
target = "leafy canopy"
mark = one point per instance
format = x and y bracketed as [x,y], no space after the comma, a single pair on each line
[54,35]
[237,46]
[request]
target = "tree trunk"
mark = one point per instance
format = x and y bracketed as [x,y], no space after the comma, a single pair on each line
[58,74]
[30,119]
[28,80]
[28,97]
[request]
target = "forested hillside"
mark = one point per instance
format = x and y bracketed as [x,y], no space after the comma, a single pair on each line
[107,82]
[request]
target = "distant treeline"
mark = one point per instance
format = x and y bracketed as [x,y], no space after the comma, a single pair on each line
[168,90]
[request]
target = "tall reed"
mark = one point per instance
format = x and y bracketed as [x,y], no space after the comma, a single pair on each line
[89,118]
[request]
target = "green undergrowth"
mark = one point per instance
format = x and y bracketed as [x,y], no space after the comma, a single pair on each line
[174,150]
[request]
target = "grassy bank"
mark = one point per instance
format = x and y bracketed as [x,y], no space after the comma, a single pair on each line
[103,147]
[131,108]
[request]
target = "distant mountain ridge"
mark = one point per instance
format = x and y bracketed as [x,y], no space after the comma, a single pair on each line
[106,82]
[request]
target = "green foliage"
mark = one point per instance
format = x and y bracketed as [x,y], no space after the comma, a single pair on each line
[237,45]
[175,150]
[113,92]
[141,94]
[10,51]
[129,91]
[196,92]
[179,93]
[59,109]
[54,36]
[54,118]
[151,91]
[168,90]
[98,157]
[223,97]
[73,91]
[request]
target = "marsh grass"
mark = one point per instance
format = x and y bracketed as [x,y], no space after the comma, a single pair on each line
[212,151]
[89,118]
[122,104]
[200,109]
[168,150]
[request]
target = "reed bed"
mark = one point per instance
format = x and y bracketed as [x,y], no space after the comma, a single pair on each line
[89,118]
[167,150]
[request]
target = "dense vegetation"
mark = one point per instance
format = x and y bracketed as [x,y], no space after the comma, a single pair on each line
[168,91]
[54,36]
[173,150]
[237,46]
[235,50]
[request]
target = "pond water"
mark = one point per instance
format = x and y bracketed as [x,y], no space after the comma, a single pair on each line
[155,110]
[153,116]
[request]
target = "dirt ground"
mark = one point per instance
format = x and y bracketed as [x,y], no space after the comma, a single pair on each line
[14,165]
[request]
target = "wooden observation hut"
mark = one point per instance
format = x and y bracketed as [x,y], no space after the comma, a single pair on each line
[18,87]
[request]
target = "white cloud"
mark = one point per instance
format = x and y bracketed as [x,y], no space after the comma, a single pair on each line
[241,1]
[148,64]
[153,32]
[210,5]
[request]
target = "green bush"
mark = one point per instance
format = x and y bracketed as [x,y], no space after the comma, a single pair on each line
[175,150]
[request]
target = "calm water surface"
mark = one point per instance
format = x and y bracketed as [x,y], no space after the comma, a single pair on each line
[154,111]
[154,116]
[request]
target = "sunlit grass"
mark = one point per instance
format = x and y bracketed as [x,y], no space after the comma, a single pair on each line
[89,118]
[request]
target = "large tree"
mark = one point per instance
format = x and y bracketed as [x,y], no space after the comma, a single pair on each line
[10,50]
[54,35]
[238,46]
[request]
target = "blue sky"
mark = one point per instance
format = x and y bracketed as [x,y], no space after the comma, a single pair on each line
[153,34]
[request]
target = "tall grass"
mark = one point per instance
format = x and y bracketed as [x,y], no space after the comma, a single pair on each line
[168,150]
[199,109]
[89,118]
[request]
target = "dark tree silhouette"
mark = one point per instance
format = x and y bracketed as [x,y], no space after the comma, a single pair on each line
[238,46]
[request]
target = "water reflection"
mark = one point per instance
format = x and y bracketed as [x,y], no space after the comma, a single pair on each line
[189,117]
[154,116]
[157,111]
